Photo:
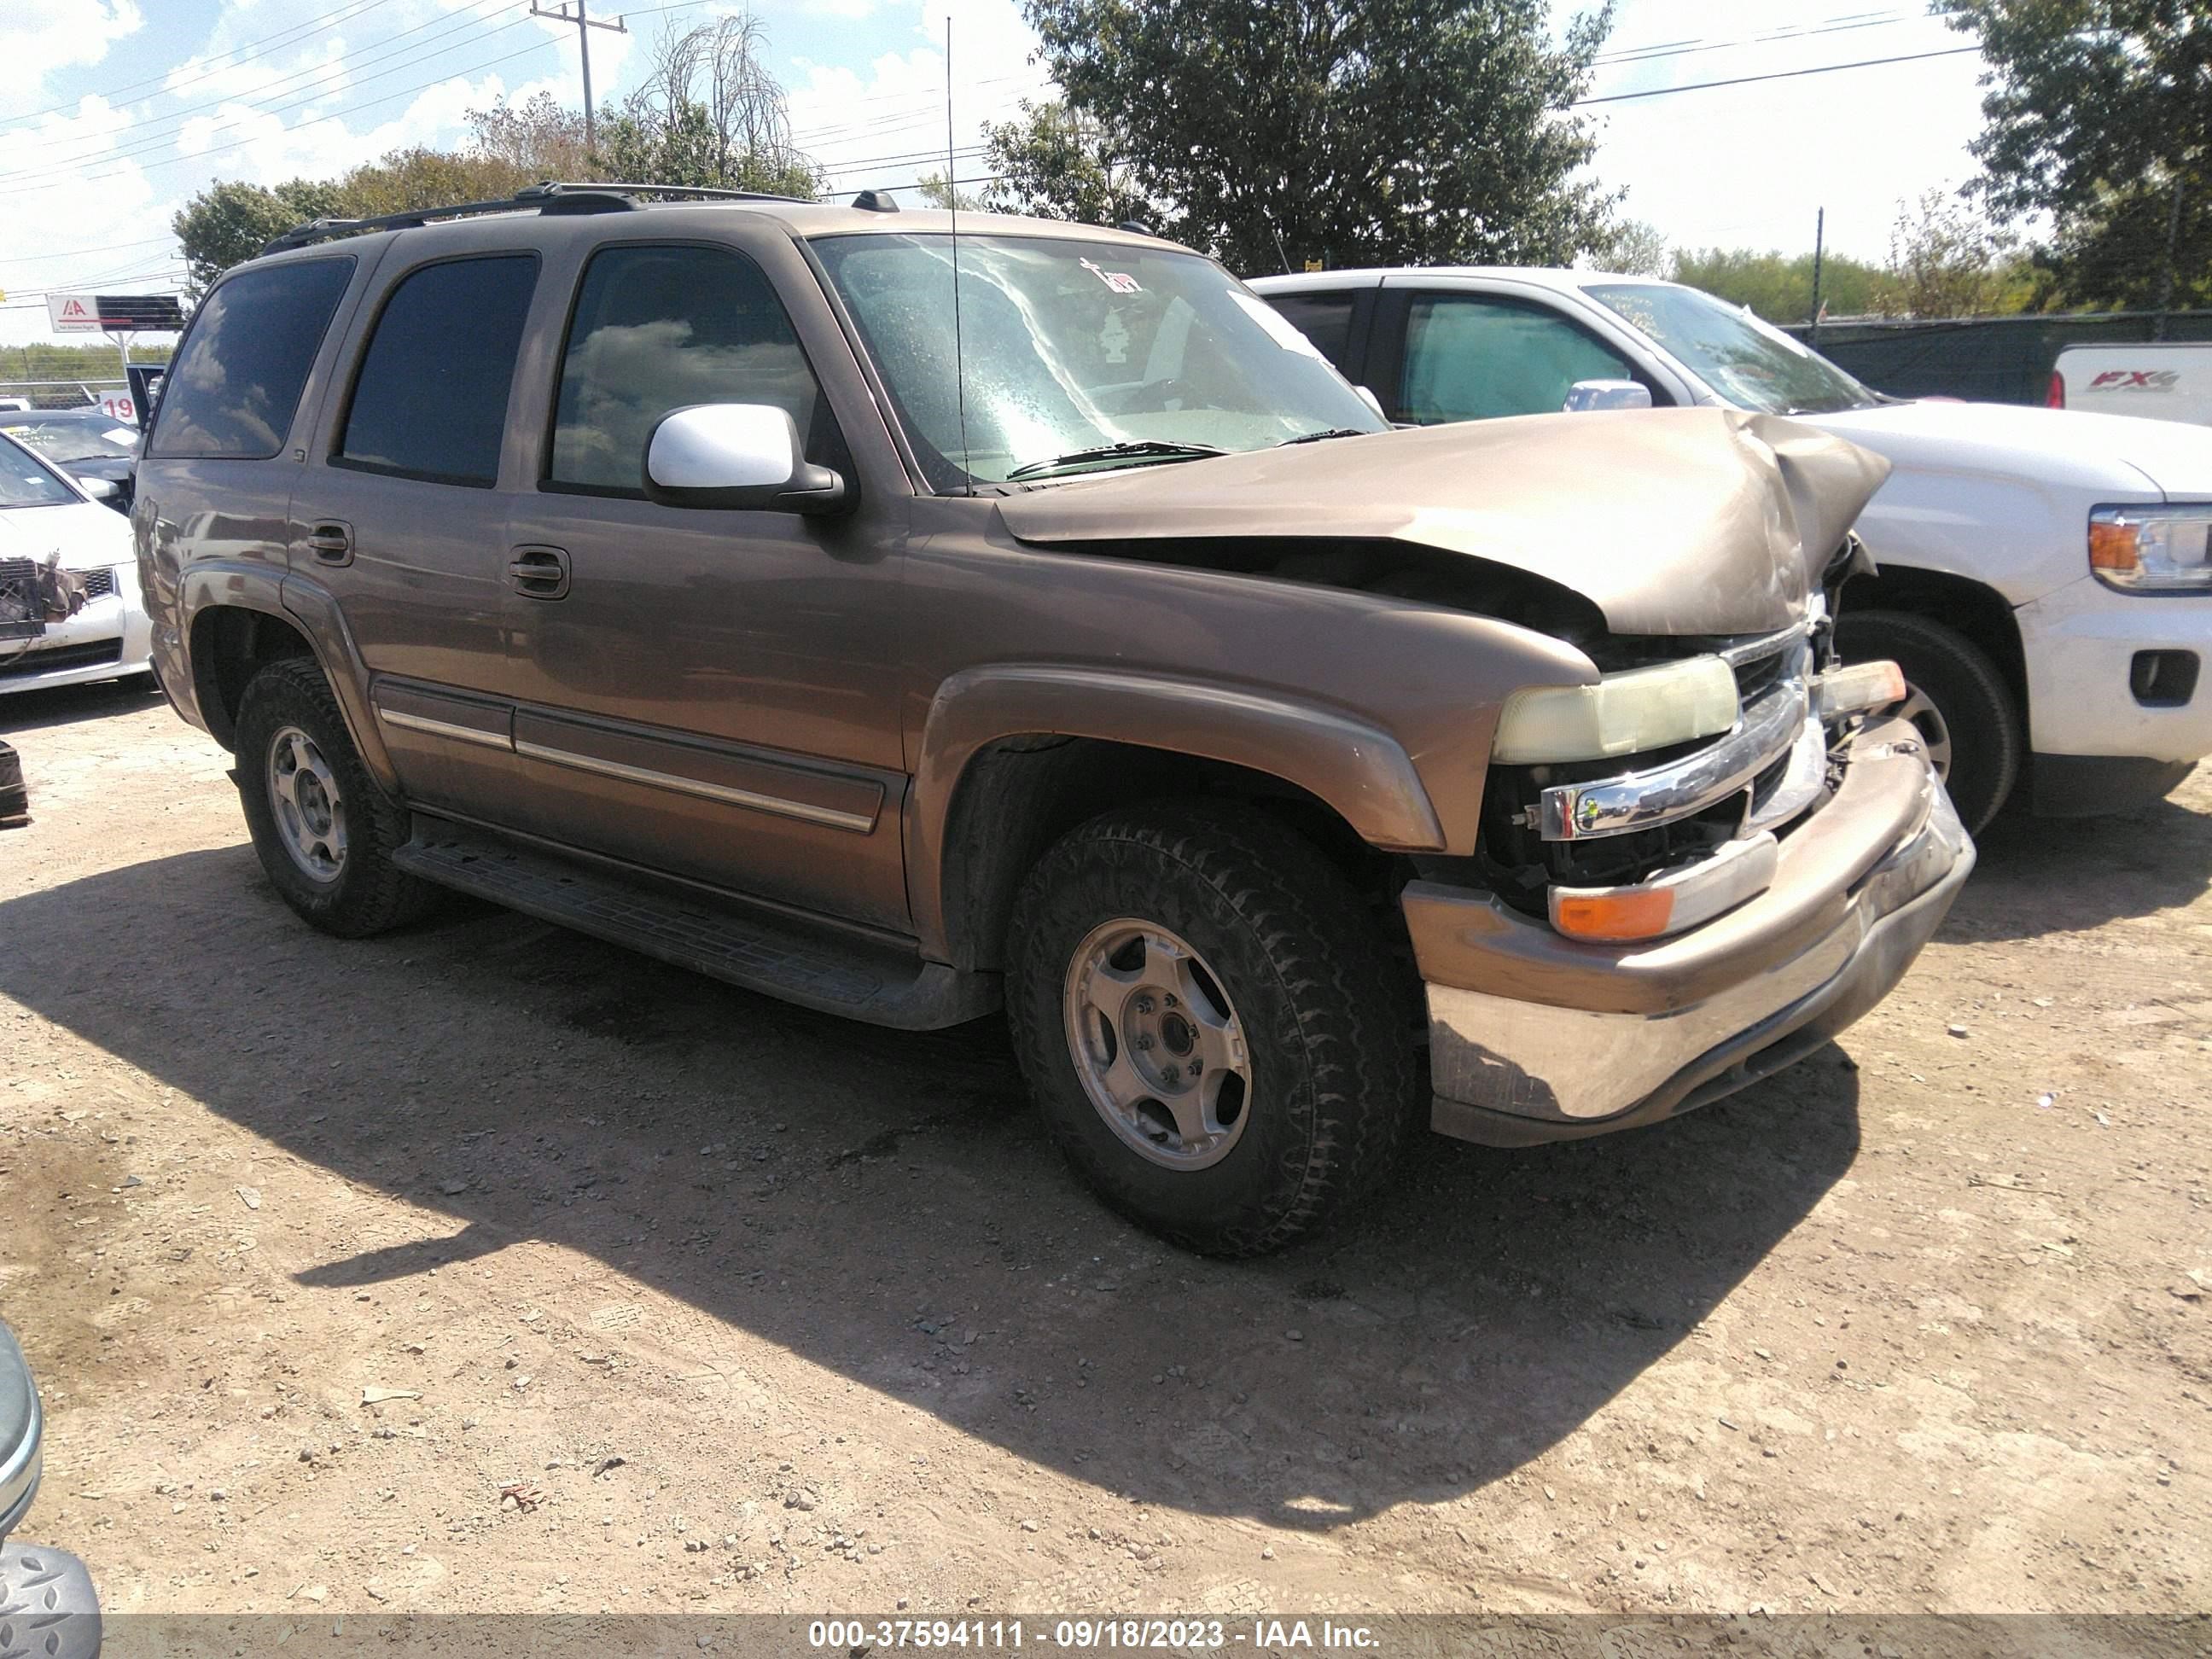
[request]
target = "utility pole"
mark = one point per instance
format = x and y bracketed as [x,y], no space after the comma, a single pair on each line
[583,26]
[1819,246]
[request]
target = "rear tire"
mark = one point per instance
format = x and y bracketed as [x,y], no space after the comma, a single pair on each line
[324,832]
[1149,939]
[1956,696]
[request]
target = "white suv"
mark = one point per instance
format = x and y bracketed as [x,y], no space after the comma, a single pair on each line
[2043,574]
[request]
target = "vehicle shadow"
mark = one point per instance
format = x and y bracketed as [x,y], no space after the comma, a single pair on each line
[2037,876]
[65,705]
[884,1205]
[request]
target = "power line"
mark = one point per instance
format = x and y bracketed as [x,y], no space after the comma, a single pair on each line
[1779,75]
[1819,26]
[424,50]
[79,253]
[277,88]
[335,115]
[290,36]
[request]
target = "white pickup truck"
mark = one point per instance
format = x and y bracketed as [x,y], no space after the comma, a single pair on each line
[2171,380]
[2044,576]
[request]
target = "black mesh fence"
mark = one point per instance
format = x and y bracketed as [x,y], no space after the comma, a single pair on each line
[1999,359]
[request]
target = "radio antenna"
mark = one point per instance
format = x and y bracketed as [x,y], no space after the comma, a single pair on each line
[952,206]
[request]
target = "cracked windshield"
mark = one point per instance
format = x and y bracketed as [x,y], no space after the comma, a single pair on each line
[1079,356]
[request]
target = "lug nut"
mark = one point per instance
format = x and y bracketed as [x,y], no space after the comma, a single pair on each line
[1170,1074]
[1143,1004]
[1141,1041]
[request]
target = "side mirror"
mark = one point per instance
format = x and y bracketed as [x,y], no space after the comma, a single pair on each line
[737,455]
[100,489]
[1583,395]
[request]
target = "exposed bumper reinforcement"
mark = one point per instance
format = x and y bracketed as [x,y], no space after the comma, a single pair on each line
[1530,1050]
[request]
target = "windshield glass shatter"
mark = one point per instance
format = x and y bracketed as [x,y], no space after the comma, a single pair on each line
[1076,354]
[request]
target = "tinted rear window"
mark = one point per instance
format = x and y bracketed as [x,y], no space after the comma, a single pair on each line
[236,385]
[431,398]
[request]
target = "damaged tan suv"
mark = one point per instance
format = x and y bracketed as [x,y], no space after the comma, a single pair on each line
[689,572]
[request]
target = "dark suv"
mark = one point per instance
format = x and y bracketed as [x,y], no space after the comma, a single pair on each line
[902,625]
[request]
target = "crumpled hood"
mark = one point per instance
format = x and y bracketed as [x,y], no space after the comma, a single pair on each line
[2116,458]
[1670,521]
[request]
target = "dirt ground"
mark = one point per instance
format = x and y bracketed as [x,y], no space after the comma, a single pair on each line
[319,1249]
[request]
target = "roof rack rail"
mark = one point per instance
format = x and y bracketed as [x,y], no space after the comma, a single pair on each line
[552,195]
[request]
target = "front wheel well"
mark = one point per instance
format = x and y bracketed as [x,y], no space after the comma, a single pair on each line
[1981,614]
[230,645]
[1020,794]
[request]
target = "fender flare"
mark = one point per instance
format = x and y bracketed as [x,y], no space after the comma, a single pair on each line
[1360,771]
[309,610]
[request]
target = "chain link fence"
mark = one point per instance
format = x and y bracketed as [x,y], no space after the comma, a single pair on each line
[1997,360]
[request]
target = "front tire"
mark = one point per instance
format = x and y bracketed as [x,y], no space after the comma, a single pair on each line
[324,832]
[1956,698]
[1210,1023]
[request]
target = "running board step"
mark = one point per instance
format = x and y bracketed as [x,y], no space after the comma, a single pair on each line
[775,957]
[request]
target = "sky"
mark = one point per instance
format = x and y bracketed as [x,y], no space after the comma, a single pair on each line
[114,112]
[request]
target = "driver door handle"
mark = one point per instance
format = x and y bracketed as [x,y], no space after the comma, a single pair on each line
[539,572]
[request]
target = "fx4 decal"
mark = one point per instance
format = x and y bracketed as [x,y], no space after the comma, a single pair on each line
[2135,379]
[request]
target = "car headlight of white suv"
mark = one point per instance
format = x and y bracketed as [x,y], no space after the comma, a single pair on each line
[2152,549]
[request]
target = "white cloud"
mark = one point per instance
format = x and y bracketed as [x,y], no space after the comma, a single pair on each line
[45,37]
[1751,165]
[895,107]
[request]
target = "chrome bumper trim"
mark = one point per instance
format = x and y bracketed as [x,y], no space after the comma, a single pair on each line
[1642,800]
[1514,1072]
[1740,870]
[1765,645]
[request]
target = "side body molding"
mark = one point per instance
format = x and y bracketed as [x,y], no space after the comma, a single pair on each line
[1362,772]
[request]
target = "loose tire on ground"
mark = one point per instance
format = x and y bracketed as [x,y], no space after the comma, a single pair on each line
[362,892]
[1324,1016]
[1962,702]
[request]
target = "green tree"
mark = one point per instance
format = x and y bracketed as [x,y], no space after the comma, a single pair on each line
[934,189]
[228,222]
[541,139]
[710,113]
[1351,131]
[1946,259]
[1779,286]
[1056,164]
[1635,247]
[2099,114]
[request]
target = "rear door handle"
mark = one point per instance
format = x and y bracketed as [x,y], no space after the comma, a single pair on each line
[539,572]
[331,542]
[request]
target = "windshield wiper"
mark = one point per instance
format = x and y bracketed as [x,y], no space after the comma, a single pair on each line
[1166,449]
[1316,437]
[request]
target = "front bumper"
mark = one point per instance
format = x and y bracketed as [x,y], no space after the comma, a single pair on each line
[108,639]
[1536,1038]
[2078,643]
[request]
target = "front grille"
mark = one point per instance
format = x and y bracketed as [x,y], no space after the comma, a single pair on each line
[22,612]
[1755,674]
[98,584]
[53,659]
[1524,866]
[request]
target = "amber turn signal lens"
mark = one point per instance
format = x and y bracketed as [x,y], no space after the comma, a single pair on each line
[1613,916]
[2112,547]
